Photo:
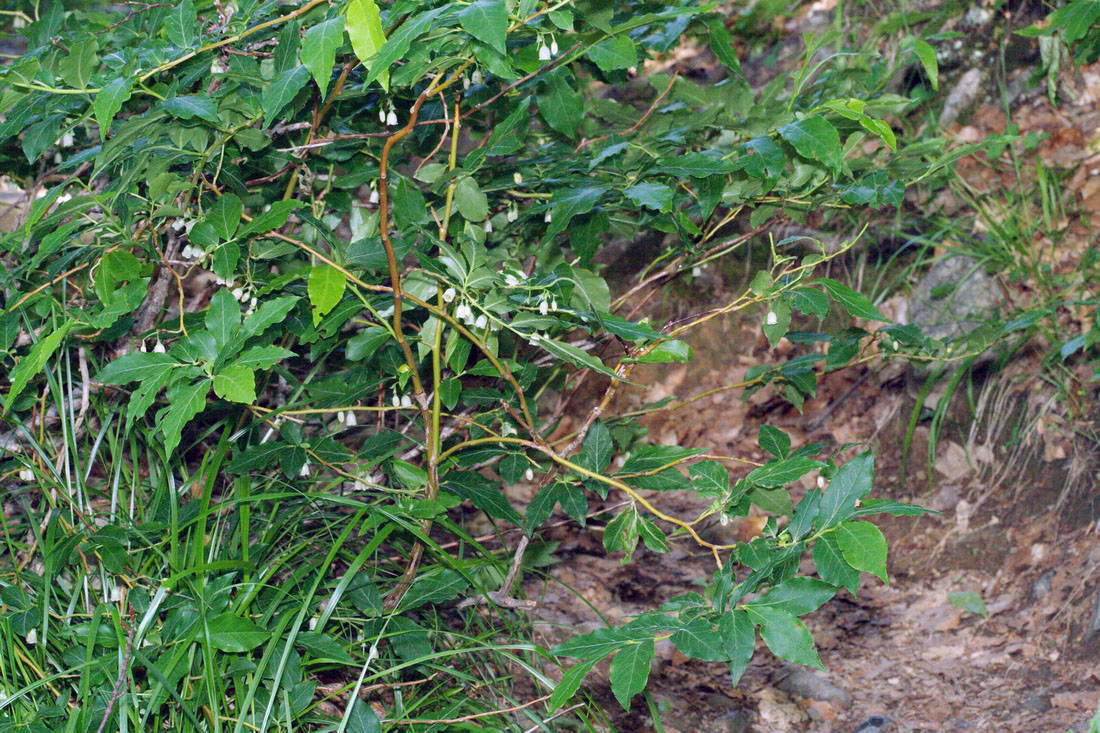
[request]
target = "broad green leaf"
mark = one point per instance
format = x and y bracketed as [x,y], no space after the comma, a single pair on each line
[831,565]
[262,357]
[222,317]
[78,66]
[864,547]
[652,536]
[398,44]
[570,683]
[738,640]
[135,367]
[575,356]
[34,362]
[541,506]
[598,447]
[599,643]
[280,91]
[570,202]
[630,670]
[667,351]
[273,218]
[487,21]
[109,100]
[267,314]
[856,303]
[184,402]
[319,50]
[434,587]
[777,321]
[612,54]
[811,302]
[230,633]
[700,640]
[561,105]
[774,441]
[696,165]
[180,24]
[236,383]
[323,648]
[787,636]
[326,288]
[483,493]
[814,138]
[969,601]
[721,43]
[798,596]
[850,483]
[927,57]
[778,473]
[191,106]
[366,34]
[710,476]
[225,215]
[656,196]
[471,202]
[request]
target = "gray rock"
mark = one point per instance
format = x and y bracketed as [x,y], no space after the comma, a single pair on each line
[1042,585]
[962,97]
[805,682]
[954,298]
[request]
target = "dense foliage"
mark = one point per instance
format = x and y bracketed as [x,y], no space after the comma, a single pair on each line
[293,283]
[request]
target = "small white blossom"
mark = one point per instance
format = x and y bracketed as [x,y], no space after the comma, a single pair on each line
[465,82]
[477,77]
[553,47]
[481,321]
[821,482]
[544,307]
[396,400]
[313,623]
[544,52]
[349,419]
[513,213]
[304,470]
[462,312]
[373,195]
[449,295]
[252,303]
[26,474]
[772,319]
[382,115]
[518,178]
[159,348]
[116,594]
[724,520]
[696,271]
[187,252]
[548,217]
[143,348]
[510,279]
[340,417]
[529,474]
[406,401]
[217,67]
[67,140]
[488,226]
[178,224]
[391,118]
[32,637]
[553,304]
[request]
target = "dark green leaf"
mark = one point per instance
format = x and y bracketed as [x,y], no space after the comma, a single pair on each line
[863,547]
[319,50]
[787,637]
[487,21]
[630,670]
[230,633]
[283,88]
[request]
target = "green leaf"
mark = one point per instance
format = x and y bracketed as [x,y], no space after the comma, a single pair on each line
[612,54]
[561,105]
[191,106]
[273,218]
[863,547]
[738,640]
[630,670]
[278,93]
[850,483]
[777,321]
[721,43]
[696,165]
[778,473]
[598,447]
[236,383]
[856,303]
[222,317]
[487,21]
[656,196]
[471,202]
[225,215]
[34,362]
[969,601]
[710,476]
[571,202]
[267,314]
[77,68]
[831,565]
[811,302]
[798,596]
[652,536]
[135,367]
[787,637]
[700,640]
[434,587]
[667,351]
[598,644]
[814,138]
[927,57]
[570,683]
[621,533]
[483,493]
[184,402]
[262,357]
[323,648]
[319,50]
[230,633]
[367,36]
[109,101]
[180,24]
[326,288]
[576,357]
[774,441]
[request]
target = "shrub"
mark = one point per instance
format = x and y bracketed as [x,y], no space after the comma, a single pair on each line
[287,289]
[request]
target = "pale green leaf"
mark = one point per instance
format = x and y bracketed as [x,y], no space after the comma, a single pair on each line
[229,633]
[225,215]
[236,383]
[184,402]
[319,50]
[863,547]
[280,91]
[34,362]
[487,21]
[108,101]
[326,288]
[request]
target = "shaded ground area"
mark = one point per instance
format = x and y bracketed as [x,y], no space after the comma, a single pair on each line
[902,650]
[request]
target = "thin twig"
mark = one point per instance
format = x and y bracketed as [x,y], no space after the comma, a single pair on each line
[473,716]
